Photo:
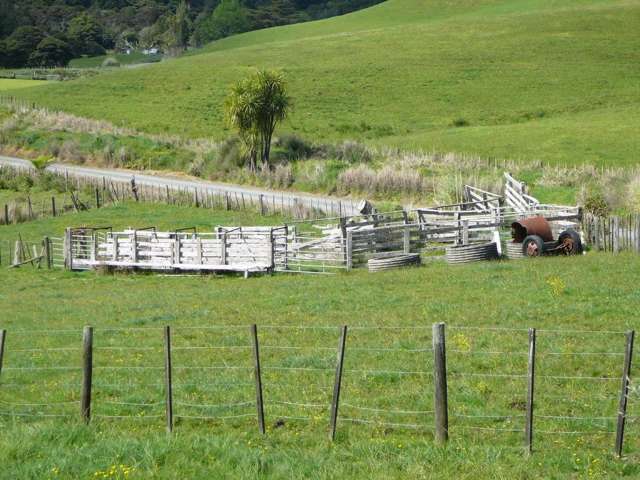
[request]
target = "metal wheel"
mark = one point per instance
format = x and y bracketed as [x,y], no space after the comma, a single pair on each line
[532,246]
[569,243]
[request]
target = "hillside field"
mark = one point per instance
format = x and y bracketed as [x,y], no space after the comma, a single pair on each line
[384,426]
[531,79]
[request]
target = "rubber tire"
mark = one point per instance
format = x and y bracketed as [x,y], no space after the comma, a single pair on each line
[577,242]
[535,239]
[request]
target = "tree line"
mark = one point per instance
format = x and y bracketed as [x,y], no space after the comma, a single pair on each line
[47,33]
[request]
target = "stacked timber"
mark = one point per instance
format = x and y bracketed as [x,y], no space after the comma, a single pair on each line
[396,261]
[471,253]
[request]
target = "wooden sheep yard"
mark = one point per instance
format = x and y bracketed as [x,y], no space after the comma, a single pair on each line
[330,245]
[244,250]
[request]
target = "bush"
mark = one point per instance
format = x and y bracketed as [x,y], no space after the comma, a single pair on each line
[292,147]
[110,62]
[227,157]
[595,203]
[353,152]
[388,181]
[460,122]
[70,152]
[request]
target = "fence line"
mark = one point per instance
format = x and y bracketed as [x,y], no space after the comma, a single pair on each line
[100,188]
[458,417]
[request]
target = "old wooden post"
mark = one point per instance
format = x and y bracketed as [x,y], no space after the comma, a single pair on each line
[133,242]
[53,206]
[465,232]
[30,207]
[3,336]
[68,249]
[406,240]
[624,392]
[349,249]
[46,244]
[87,372]
[337,385]
[97,193]
[6,214]
[440,384]
[272,251]
[528,428]
[459,228]
[258,377]
[223,249]
[168,385]
[262,209]
[134,189]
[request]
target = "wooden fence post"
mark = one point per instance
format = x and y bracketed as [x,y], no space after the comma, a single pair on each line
[68,249]
[258,377]
[97,192]
[465,232]
[337,385]
[624,392]
[223,249]
[3,336]
[349,250]
[87,372]
[168,385]
[262,209]
[406,239]
[440,384]
[46,243]
[6,214]
[528,428]
[53,206]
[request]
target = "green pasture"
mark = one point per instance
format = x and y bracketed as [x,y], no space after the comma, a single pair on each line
[582,306]
[13,84]
[123,59]
[525,79]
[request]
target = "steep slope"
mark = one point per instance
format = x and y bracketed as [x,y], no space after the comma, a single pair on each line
[552,80]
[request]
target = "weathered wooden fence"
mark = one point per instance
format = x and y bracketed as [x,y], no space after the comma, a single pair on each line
[612,234]
[91,188]
[236,354]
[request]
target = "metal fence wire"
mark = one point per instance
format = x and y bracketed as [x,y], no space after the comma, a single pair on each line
[501,381]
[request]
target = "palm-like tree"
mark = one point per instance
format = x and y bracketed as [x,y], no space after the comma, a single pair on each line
[254,106]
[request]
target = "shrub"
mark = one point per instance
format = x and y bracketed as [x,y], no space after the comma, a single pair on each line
[595,203]
[196,167]
[70,152]
[110,62]
[388,181]
[353,152]
[460,122]
[292,147]
[279,177]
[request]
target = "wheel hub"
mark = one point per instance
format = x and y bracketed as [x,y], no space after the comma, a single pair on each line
[533,250]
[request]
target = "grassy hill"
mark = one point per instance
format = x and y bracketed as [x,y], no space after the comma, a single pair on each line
[535,79]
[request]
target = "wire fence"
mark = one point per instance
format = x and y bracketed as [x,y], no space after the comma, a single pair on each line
[512,383]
